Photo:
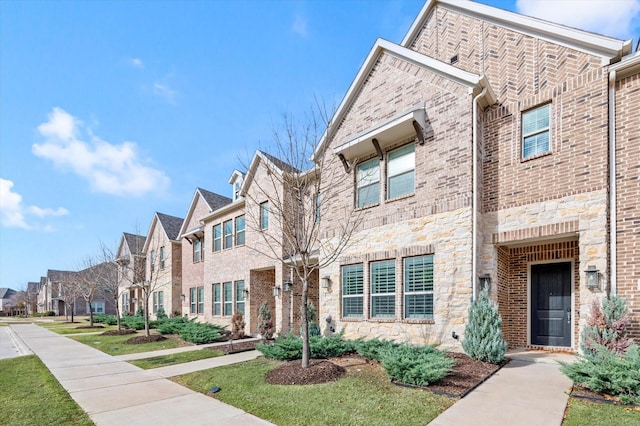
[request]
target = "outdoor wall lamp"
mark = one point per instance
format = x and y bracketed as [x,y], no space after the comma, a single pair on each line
[325,281]
[183,297]
[485,281]
[276,291]
[245,291]
[593,276]
[288,285]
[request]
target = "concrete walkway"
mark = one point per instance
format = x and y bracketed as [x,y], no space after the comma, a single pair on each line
[114,392]
[529,391]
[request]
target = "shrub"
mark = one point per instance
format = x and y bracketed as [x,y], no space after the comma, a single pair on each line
[161,314]
[312,321]
[172,325]
[133,322]
[44,314]
[140,311]
[607,326]
[483,334]
[200,333]
[237,326]
[374,348]
[331,346]
[286,347]
[415,365]
[265,326]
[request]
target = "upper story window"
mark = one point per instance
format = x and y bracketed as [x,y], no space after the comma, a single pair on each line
[153,260]
[227,229]
[264,215]
[240,226]
[535,131]
[318,208]
[217,237]
[237,185]
[368,183]
[197,251]
[352,291]
[163,257]
[401,166]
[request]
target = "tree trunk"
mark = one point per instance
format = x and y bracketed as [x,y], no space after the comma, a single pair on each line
[305,323]
[90,314]
[146,315]
[72,306]
[115,299]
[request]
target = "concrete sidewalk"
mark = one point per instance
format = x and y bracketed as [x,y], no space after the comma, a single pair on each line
[114,392]
[529,391]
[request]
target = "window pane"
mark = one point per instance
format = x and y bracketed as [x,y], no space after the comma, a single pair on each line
[228,234]
[535,120]
[352,307]
[418,306]
[401,171]
[201,300]
[217,237]
[352,290]
[383,306]
[240,296]
[383,287]
[217,305]
[368,172]
[228,298]
[418,286]
[240,225]
[264,215]
[536,144]
[535,131]
[192,299]
[369,195]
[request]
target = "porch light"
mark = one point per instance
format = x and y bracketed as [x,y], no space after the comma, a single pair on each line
[245,292]
[485,281]
[593,276]
[276,291]
[133,300]
[288,285]
[325,281]
[183,297]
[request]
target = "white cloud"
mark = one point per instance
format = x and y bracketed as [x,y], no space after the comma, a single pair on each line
[163,90]
[137,63]
[606,17]
[300,26]
[13,214]
[109,168]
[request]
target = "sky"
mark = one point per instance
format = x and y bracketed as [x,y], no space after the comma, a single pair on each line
[113,110]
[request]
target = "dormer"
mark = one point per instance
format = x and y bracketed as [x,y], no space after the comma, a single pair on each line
[236,180]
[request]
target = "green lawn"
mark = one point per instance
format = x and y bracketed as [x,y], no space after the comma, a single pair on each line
[113,345]
[163,361]
[30,395]
[363,397]
[584,413]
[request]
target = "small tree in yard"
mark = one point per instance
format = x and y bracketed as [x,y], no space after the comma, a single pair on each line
[297,192]
[237,325]
[483,334]
[610,361]
[265,327]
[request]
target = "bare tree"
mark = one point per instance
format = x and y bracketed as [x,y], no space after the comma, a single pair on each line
[92,280]
[110,279]
[298,193]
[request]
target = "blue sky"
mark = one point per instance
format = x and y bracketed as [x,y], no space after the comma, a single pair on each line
[112,110]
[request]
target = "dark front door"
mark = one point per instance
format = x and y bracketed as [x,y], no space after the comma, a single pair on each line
[551,304]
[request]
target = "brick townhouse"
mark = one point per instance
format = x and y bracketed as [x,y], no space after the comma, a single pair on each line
[130,258]
[487,148]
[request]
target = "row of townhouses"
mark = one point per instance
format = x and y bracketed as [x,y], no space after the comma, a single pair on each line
[487,148]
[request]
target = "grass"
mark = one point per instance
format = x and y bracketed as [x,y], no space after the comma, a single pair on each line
[62,328]
[30,395]
[585,413]
[163,361]
[114,345]
[363,396]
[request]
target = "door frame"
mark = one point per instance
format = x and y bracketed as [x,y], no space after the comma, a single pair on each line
[572,290]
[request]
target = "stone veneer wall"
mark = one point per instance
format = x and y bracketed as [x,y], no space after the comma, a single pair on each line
[448,237]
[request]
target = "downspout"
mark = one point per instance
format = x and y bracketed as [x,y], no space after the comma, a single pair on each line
[612,186]
[474,202]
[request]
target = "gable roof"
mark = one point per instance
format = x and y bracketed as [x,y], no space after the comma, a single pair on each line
[273,163]
[32,287]
[609,49]
[135,243]
[6,293]
[474,82]
[56,276]
[171,225]
[212,200]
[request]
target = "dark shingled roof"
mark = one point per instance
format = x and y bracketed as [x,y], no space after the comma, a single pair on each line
[171,225]
[32,287]
[214,200]
[56,276]
[135,242]
[280,164]
[6,293]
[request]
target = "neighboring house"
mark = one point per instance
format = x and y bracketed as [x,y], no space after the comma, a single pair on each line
[7,301]
[43,298]
[192,234]
[163,264]
[33,288]
[61,294]
[477,152]
[240,271]
[131,271]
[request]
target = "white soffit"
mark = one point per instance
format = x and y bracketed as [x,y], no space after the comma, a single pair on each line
[607,48]
[386,133]
[627,66]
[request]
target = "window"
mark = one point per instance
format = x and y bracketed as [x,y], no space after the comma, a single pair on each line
[240,225]
[125,302]
[535,131]
[228,299]
[163,257]
[227,228]
[192,299]
[318,208]
[401,165]
[264,215]
[217,300]
[418,287]
[240,297]
[201,300]
[158,301]
[197,251]
[352,291]
[217,237]
[153,260]
[96,307]
[237,185]
[155,302]
[383,288]
[368,183]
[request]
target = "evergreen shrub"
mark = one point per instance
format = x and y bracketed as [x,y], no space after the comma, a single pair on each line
[483,334]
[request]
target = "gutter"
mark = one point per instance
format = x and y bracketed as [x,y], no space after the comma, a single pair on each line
[474,204]
[612,186]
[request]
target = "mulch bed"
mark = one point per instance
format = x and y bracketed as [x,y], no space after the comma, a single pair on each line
[86,327]
[118,332]
[465,376]
[145,339]
[602,398]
